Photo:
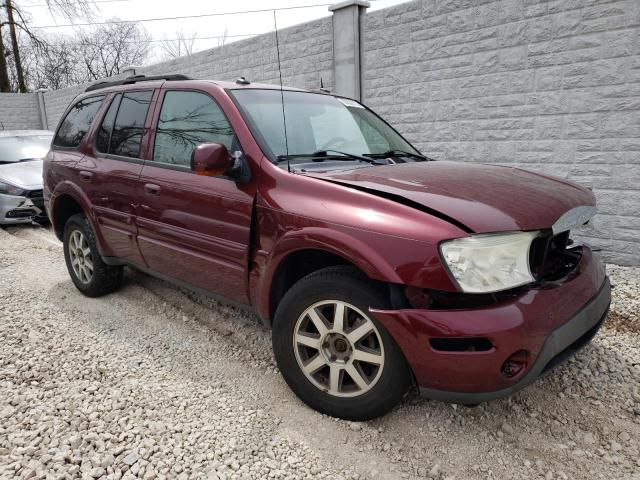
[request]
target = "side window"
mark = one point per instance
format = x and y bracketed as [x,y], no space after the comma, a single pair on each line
[77,122]
[128,128]
[104,133]
[188,119]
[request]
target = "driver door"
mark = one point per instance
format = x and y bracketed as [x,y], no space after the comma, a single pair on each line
[194,228]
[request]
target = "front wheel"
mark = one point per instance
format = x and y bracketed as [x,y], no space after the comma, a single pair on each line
[332,352]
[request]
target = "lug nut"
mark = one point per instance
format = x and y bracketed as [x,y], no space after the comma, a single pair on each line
[332,357]
[346,359]
[325,345]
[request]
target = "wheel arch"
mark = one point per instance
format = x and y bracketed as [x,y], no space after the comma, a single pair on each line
[64,207]
[301,253]
[68,200]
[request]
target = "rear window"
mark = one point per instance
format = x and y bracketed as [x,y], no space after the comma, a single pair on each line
[77,122]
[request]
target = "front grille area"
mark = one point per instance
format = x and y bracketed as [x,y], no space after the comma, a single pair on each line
[549,257]
[35,194]
[37,198]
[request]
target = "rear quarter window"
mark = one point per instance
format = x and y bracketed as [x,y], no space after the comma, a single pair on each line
[77,122]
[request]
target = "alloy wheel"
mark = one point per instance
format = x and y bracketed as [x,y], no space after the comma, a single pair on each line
[338,348]
[80,256]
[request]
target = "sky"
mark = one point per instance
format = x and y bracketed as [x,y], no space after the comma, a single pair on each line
[237,27]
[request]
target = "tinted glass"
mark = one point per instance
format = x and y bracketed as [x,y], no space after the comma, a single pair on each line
[317,122]
[104,132]
[77,122]
[188,119]
[24,147]
[128,128]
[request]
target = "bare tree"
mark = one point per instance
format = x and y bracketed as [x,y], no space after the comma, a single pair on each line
[5,85]
[180,46]
[60,61]
[71,8]
[53,64]
[107,49]
[17,21]
[14,46]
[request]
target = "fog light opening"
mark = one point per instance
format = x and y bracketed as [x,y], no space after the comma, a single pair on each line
[515,364]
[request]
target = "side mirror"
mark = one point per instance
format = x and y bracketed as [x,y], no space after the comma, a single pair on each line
[210,159]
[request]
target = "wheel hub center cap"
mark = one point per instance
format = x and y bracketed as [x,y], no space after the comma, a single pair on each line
[336,348]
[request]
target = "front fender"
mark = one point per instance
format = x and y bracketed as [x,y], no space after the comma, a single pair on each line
[337,242]
[381,257]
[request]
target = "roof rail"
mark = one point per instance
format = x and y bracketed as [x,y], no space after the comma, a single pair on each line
[136,79]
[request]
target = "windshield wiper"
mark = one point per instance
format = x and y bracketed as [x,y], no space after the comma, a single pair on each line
[322,155]
[397,153]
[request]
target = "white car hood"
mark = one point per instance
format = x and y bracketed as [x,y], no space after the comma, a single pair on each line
[26,175]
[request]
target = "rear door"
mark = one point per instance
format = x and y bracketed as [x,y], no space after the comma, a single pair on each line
[110,175]
[190,227]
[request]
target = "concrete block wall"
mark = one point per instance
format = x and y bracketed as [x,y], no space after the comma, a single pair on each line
[552,86]
[306,55]
[19,111]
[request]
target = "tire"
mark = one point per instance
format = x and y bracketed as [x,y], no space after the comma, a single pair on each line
[333,388]
[99,280]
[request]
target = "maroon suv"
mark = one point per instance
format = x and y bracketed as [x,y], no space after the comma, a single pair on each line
[376,267]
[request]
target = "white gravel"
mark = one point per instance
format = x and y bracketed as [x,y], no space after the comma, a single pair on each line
[154,382]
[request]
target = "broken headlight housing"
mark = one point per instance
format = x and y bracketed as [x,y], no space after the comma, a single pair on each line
[489,262]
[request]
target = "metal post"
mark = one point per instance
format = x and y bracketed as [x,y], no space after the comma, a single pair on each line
[42,109]
[347,61]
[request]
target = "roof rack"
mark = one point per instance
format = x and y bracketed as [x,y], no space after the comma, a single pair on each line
[136,79]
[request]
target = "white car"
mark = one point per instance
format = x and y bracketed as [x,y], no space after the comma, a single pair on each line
[21,153]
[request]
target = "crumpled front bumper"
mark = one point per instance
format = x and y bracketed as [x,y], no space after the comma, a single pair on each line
[16,210]
[549,322]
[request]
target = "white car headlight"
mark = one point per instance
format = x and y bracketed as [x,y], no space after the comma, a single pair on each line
[489,262]
[8,189]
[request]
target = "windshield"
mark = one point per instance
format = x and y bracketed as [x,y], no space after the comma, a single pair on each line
[317,122]
[24,147]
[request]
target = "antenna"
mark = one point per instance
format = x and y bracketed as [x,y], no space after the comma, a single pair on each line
[284,118]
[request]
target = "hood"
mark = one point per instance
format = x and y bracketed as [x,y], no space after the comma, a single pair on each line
[26,175]
[484,198]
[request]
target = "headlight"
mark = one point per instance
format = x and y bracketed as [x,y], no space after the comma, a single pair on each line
[8,189]
[490,262]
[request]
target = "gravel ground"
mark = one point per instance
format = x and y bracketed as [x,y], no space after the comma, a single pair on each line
[154,382]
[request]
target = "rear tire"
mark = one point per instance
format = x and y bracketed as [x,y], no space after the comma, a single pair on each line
[88,271]
[334,355]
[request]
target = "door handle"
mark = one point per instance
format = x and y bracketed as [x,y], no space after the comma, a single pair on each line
[85,176]
[151,189]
